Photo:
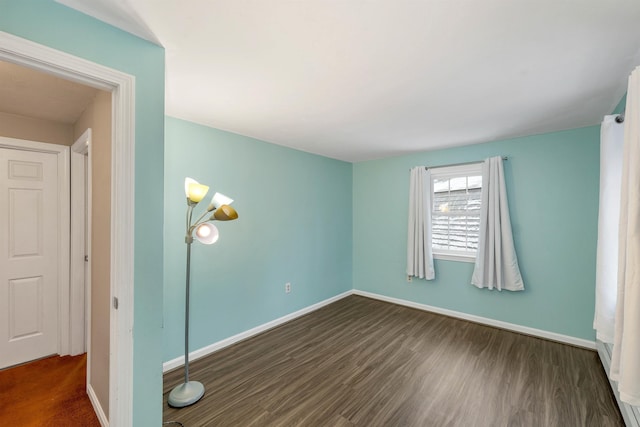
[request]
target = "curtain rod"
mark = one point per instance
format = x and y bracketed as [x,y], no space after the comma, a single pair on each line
[620,118]
[460,164]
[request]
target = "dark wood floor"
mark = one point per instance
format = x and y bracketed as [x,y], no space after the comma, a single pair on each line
[361,362]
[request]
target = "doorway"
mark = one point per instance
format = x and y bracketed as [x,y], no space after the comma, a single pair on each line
[56,111]
[121,87]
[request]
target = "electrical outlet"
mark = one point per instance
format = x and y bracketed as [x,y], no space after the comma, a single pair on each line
[287,287]
[409,279]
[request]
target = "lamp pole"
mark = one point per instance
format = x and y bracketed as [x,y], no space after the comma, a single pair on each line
[188,239]
[186,317]
[188,392]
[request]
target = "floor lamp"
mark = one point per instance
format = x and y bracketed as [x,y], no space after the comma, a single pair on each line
[190,392]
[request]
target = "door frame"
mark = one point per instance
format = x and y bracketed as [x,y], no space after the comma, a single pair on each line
[122,87]
[80,278]
[62,160]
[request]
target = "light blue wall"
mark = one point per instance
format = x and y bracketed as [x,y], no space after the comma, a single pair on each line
[294,226]
[56,26]
[552,182]
[621,105]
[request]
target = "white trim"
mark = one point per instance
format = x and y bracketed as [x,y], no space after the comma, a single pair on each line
[452,171]
[26,145]
[79,284]
[212,348]
[631,414]
[104,422]
[454,257]
[122,86]
[62,155]
[122,263]
[51,61]
[552,336]
[64,236]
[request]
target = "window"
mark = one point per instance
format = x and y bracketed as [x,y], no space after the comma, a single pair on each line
[456,194]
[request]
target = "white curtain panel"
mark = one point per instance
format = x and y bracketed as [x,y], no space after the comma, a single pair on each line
[496,262]
[419,251]
[611,141]
[625,360]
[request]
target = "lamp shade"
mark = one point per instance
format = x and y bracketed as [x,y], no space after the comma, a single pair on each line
[194,190]
[207,233]
[197,192]
[220,199]
[187,182]
[225,213]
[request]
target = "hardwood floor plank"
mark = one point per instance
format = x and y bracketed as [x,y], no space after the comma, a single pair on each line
[362,362]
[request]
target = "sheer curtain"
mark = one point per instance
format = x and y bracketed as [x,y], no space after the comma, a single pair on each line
[496,262]
[611,141]
[625,360]
[419,251]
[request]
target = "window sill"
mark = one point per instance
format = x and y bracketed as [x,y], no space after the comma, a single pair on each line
[455,257]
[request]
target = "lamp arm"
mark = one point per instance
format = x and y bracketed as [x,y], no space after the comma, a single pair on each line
[199,220]
[188,238]
[189,214]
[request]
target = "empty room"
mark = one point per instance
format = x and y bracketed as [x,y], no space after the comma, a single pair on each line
[336,213]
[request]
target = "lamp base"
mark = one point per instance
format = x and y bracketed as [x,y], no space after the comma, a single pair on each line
[186,394]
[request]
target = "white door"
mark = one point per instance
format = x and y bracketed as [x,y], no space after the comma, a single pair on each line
[28,256]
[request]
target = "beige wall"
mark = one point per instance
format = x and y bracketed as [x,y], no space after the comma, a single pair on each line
[21,127]
[97,116]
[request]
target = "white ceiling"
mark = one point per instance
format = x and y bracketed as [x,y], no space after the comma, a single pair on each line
[364,79]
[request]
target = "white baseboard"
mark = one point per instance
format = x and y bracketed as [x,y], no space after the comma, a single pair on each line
[104,422]
[566,339]
[630,414]
[204,351]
